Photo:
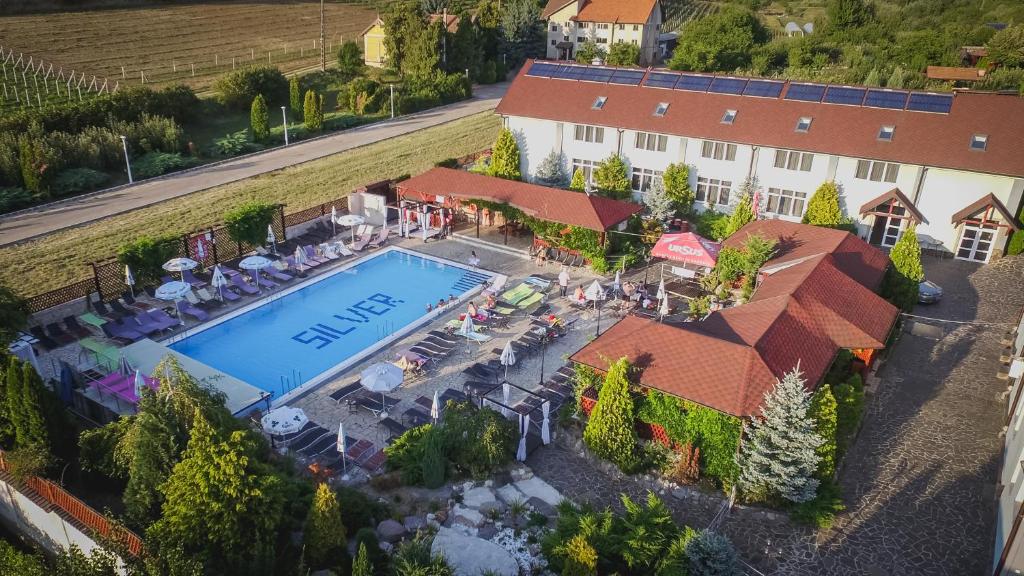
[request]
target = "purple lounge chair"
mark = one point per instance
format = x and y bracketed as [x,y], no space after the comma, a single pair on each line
[142,322]
[162,319]
[228,295]
[238,282]
[117,332]
[191,279]
[311,255]
[360,244]
[265,281]
[192,311]
[381,238]
[277,274]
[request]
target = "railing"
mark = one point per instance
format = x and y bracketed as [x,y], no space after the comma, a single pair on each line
[77,510]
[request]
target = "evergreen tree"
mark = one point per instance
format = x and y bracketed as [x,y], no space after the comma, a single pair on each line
[324,534]
[551,170]
[780,456]
[423,52]
[897,79]
[658,202]
[361,565]
[741,215]
[464,48]
[433,461]
[623,54]
[15,393]
[34,408]
[677,185]
[259,119]
[712,554]
[579,181]
[823,208]
[6,426]
[646,531]
[294,96]
[825,415]
[505,157]
[610,432]
[402,23]
[350,59]
[522,28]
[873,78]
[579,557]
[14,315]
[311,112]
[320,112]
[611,178]
[906,273]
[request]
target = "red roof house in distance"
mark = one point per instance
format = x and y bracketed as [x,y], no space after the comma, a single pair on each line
[817,296]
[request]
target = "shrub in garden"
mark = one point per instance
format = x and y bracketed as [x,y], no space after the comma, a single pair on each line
[823,208]
[153,164]
[406,453]
[713,225]
[610,432]
[359,510]
[579,181]
[312,114]
[488,73]
[231,144]
[849,409]
[237,89]
[433,462]
[579,557]
[367,537]
[146,256]
[413,558]
[646,530]
[505,156]
[623,54]
[824,412]
[350,59]
[248,223]
[294,95]
[76,180]
[12,199]
[324,534]
[611,178]
[259,119]
[361,563]
[906,272]
[741,215]
[712,554]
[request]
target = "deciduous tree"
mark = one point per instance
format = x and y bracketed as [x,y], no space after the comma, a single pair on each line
[623,54]
[505,157]
[350,59]
[677,185]
[610,432]
[843,15]
[590,51]
[721,41]
[402,23]
[1006,47]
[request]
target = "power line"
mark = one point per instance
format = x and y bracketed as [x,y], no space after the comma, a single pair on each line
[949,321]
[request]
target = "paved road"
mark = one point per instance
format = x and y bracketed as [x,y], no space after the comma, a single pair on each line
[78,211]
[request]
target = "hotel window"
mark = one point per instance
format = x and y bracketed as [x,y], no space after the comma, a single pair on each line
[718,150]
[803,124]
[877,171]
[601,40]
[581,39]
[642,179]
[622,26]
[594,134]
[553,42]
[786,202]
[635,28]
[979,142]
[713,191]
[791,160]
[602,26]
[652,142]
[634,41]
[587,166]
[554,27]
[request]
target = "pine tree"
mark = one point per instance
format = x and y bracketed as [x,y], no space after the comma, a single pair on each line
[780,456]
[294,96]
[897,79]
[324,534]
[712,554]
[580,558]
[658,203]
[551,170]
[579,181]
[610,432]
[361,564]
[823,208]
[320,112]
[310,116]
[677,185]
[741,215]
[34,407]
[505,158]
[825,414]
[611,178]
[872,78]
[12,401]
[906,273]
[259,119]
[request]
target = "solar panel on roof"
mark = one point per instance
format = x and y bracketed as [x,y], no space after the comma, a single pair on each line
[661,80]
[895,99]
[845,95]
[695,83]
[763,88]
[542,69]
[722,85]
[628,77]
[596,75]
[805,92]
[924,102]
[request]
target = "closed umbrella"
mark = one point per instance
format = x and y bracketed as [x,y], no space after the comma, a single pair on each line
[218,280]
[200,250]
[663,309]
[524,422]
[467,326]
[300,257]
[334,223]
[617,285]
[140,384]
[545,427]
[435,407]
[254,264]
[382,377]
[508,358]
[271,238]
[594,292]
[661,289]
[129,279]
[342,449]
[180,265]
[506,389]
[283,420]
[175,291]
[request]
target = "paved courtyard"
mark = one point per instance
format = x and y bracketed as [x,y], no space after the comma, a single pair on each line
[918,482]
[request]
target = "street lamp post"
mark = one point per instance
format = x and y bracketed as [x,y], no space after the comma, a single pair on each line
[392,86]
[543,351]
[597,304]
[284,120]
[127,162]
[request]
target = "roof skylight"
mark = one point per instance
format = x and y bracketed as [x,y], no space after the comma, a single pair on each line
[729,117]
[599,102]
[885,133]
[979,142]
[803,124]
[661,109]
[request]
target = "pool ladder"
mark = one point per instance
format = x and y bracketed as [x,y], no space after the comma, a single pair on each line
[289,384]
[385,330]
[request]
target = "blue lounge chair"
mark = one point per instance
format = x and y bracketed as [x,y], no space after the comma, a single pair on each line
[162,319]
[111,330]
[277,274]
[228,295]
[191,279]
[192,311]
[238,282]
[311,255]
[142,322]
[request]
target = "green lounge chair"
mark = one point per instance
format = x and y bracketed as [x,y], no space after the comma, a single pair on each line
[504,310]
[516,295]
[530,301]
[92,319]
[106,355]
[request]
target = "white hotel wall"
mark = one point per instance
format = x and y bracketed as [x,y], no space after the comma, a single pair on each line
[768,176]
[946,192]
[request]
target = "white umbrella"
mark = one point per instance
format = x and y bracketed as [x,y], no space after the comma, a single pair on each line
[467,326]
[300,257]
[180,265]
[218,280]
[435,407]
[200,250]
[661,290]
[334,218]
[545,427]
[284,420]
[506,388]
[594,292]
[618,283]
[382,377]
[175,291]
[271,238]
[140,384]
[663,310]
[508,358]
[524,421]
[351,220]
[254,264]
[342,449]
[129,279]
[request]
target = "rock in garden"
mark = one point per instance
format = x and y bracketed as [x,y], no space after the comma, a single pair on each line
[467,516]
[471,556]
[541,507]
[534,487]
[476,497]
[487,507]
[390,531]
[413,524]
[509,494]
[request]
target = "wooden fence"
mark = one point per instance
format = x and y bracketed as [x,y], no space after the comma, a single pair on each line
[46,492]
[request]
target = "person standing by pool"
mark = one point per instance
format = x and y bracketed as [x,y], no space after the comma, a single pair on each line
[563,281]
[474,261]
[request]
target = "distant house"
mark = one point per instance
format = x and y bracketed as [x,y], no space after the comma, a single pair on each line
[970,55]
[374,51]
[571,23]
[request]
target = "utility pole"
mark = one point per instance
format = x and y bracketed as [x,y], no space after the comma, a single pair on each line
[323,47]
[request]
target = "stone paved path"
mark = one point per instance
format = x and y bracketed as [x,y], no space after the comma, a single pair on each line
[918,482]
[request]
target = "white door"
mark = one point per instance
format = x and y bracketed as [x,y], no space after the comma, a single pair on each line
[976,243]
[891,231]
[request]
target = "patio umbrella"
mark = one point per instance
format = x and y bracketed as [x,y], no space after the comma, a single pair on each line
[180,265]
[594,292]
[382,377]
[218,280]
[545,427]
[663,309]
[508,356]
[254,264]
[506,389]
[435,407]
[129,279]
[661,290]
[175,291]
[271,238]
[342,449]
[334,218]
[139,384]
[200,250]
[124,367]
[524,422]
[300,257]
[283,420]
[467,326]
[351,220]
[617,284]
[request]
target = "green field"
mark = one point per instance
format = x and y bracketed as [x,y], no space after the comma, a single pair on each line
[57,259]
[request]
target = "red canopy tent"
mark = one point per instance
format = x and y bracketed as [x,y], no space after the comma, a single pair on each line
[688,248]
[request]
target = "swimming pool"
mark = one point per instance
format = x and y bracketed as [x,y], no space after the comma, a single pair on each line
[298,338]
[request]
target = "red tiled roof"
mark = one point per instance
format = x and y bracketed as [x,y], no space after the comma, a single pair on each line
[939,140]
[552,204]
[896,193]
[451,23]
[801,314]
[624,11]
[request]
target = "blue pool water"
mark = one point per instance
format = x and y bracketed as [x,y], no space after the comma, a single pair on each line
[295,338]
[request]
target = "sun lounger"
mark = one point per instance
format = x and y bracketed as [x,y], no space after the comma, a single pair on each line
[539,282]
[393,427]
[364,240]
[381,238]
[516,295]
[102,310]
[311,255]
[207,298]
[307,437]
[241,284]
[92,319]
[530,301]
[375,404]
[265,282]
[415,417]
[71,323]
[477,337]
[122,333]
[106,355]
[190,310]
[277,274]
[343,249]
[143,323]
[189,277]
[374,461]
[132,301]
[496,286]
[162,318]
[194,300]
[321,445]
[58,333]
[44,340]
[117,307]
[443,336]
[227,294]
[345,391]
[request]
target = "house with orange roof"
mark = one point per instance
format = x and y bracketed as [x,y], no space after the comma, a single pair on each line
[571,23]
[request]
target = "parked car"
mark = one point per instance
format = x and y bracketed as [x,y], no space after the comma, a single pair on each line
[928,292]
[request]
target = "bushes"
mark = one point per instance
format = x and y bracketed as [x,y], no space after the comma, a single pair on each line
[610,432]
[259,119]
[238,88]
[248,223]
[350,59]
[505,158]
[713,225]
[13,198]
[906,272]
[406,453]
[146,255]
[75,180]
[611,178]
[156,163]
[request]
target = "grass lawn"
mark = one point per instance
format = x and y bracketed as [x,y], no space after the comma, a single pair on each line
[57,259]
